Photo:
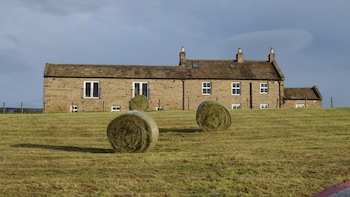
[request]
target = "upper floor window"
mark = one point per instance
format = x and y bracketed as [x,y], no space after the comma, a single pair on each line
[236,88]
[140,88]
[206,88]
[91,89]
[264,88]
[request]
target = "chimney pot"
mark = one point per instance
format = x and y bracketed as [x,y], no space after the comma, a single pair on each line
[182,56]
[239,55]
[272,55]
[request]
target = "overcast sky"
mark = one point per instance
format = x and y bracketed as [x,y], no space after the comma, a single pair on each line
[311,39]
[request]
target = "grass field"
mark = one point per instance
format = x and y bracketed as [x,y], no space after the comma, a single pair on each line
[281,152]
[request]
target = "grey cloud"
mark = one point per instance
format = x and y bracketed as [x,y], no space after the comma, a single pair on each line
[9,41]
[310,39]
[286,40]
[60,7]
[11,62]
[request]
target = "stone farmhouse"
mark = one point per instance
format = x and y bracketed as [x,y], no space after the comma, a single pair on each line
[236,83]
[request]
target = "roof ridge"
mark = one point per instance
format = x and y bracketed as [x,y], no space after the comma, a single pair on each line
[140,65]
[226,60]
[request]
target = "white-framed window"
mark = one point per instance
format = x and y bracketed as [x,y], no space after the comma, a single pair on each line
[116,108]
[300,105]
[160,108]
[264,106]
[140,88]
[236,88]
[91,89]
[74,108]
[206,88]
[236,106]
[264,89]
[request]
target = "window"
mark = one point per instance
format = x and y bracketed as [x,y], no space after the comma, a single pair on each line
[91,89]
[206,88]
[264,106]
[300,106]
[263,88]
[236,88]
[140,88]
[159,108]
[236,106]
[74,108]
[115,108]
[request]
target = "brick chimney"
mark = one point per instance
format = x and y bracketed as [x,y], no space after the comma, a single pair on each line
[271,55]
[239,55]
[182,56]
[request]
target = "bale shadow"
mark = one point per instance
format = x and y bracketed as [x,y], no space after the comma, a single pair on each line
[65,148]
[180,130]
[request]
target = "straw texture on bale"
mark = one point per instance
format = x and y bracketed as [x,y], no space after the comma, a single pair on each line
[338,190]
[213,116]
[139,102]
[134,131]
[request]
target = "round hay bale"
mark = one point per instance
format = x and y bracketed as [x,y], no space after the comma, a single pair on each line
[340,189]
[139,102]
[134,131]
[213,116]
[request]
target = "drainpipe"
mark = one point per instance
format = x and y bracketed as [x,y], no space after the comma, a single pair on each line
[183,94]
[279,94]
[251,95]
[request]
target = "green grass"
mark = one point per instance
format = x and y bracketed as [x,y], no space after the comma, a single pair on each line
[282,152]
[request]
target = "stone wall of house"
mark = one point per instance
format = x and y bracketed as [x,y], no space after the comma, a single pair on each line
[61,93]
[306,103]
[222,92]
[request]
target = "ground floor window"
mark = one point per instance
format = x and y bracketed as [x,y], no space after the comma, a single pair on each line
[140,88]
[264,106]
[236,106]
[160,108]
[300,105]
[74,108]
[115,108]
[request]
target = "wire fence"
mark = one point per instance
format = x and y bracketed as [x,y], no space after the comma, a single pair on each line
[21,109]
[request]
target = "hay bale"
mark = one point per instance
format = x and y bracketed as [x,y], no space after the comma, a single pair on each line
[213,116]
[134,131]
[340,189]
[139,102]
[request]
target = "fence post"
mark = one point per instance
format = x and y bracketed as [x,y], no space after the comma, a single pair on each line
[22,107]
[331,102]
[3,108]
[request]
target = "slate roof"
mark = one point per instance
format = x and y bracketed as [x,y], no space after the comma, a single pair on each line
[191,69]
[302,93]
[231,69]
[112,71]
